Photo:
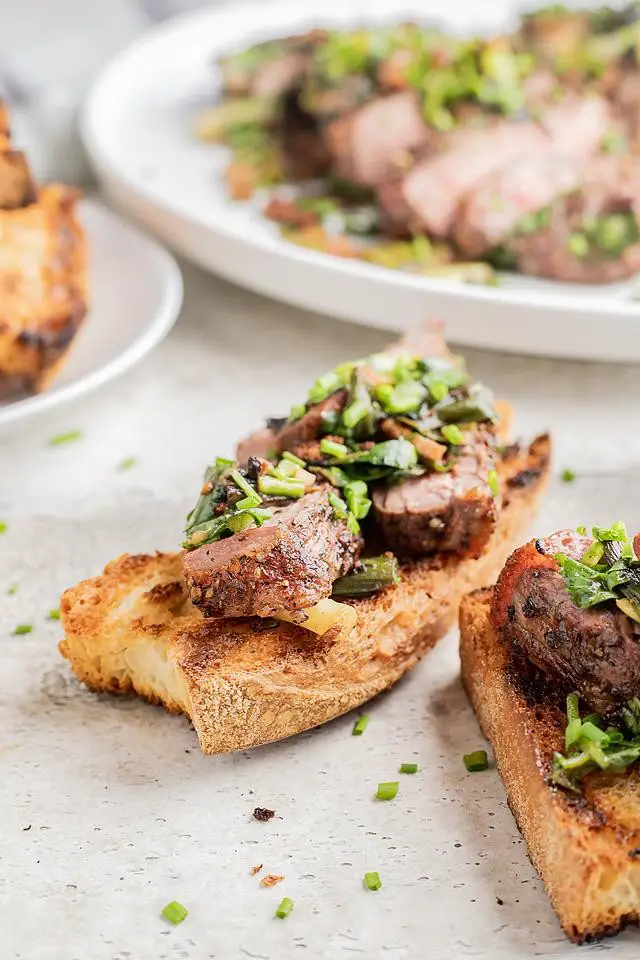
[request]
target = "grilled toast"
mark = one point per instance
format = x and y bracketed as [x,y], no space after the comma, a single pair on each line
[43,286]
[247,682]
[585,847]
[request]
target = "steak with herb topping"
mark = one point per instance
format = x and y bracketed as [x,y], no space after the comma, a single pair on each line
[594,651]
[454,511]
[289,563]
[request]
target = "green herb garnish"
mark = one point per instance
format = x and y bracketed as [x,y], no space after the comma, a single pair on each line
[175,913]
[284,908]
[476,761]
[127,463]
[408,768]
[608,570]
[590,745]
[3,527]
[370,576]
[12,589]
[67,437]
[360,725]
[494,483]
[387,791]
[53,614]
[567,476]
[372,880]
[22,628]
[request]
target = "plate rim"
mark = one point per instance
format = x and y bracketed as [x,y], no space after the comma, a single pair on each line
[153,334]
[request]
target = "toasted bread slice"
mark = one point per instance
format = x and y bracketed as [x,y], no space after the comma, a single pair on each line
[42,286]
[17,188]
[246,682]
[586,848]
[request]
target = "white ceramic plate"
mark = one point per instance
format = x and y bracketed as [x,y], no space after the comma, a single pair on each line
[136,126]
[135,288]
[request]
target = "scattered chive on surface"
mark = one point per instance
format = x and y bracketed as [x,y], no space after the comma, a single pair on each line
[53,614]
[494,483]
[567,476]
[175,913]
[67,437]
[476,761]
[12,589]
[387,791]
[127,463]
[360,725]
[372,880]
[22,628]
[3,526]
[408,768]
[284,908]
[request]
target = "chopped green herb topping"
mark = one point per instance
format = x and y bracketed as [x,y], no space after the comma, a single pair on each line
[387,791]
[284,908]
[12,589]
[22,628]
[567,476]
[591,745]
[127,463]
[608,570]
[476,761]
[360,725]
[408,768]
[3,527]
[53,614]
[370,576]
[67,437]
[494,482]
[175,913]
[372,880]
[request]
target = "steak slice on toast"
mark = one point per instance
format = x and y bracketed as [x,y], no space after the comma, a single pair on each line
[586,849]
[245,682]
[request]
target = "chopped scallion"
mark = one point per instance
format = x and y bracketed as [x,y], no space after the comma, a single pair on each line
[360,725]
[333,449]
[175,913]
[127,463]
[22,628]
[387,791]
[275,487]
[3,526]
[567,476]
[284,908]
[372,880]
[408,768]
[494,482]
[244,485]
[67,437]
[12,589]
[291,457]
[453,434]
[53,614]
[476,761]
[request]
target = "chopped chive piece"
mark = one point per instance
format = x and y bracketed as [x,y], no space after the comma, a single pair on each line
[297,412]
[387,791]
[12,589]
[408,768]
[476,761]
[284,908]
[245,486]
[333,449]
[453,434]
[67,437]
[127,463]
[582,530]
[53,614]
[360,725]
[567,476]
[291,457]
[175,913]
[274,487]
[438,390]
[494,483]
[579,245]
[372,880]
[22,628]
[3,526]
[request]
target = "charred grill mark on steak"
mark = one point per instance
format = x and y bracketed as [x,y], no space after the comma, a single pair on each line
[288,563]
[595,651]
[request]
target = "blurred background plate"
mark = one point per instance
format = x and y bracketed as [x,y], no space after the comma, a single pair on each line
[137,129]
[135,297]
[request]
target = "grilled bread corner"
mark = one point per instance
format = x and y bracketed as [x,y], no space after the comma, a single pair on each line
[586,848]
[43,286]
[243,682]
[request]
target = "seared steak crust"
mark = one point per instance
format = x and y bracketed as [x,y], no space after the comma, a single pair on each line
[454,511]
[289,563]
[593,651]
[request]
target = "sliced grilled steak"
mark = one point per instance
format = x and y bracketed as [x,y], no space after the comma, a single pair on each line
[428,196]
[610,186]
[269,69]
[289,563]
[367,142]
[309,426]
[259,444]
[593,651]
[454,511]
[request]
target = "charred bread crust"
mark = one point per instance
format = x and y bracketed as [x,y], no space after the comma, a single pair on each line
[243,682]
[586,848]
[17,188]
[43,286]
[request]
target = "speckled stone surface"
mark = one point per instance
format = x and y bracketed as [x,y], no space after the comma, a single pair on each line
[108,808]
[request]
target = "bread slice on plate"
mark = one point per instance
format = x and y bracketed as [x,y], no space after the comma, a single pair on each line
[585,847]
[244,682]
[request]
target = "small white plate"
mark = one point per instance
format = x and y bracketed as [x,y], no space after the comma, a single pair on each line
[136,127]
[135,292]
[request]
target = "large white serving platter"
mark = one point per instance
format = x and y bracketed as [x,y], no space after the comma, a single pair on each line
[135,294]
[136,127]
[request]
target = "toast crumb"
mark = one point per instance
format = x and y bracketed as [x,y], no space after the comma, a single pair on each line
[271,879]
